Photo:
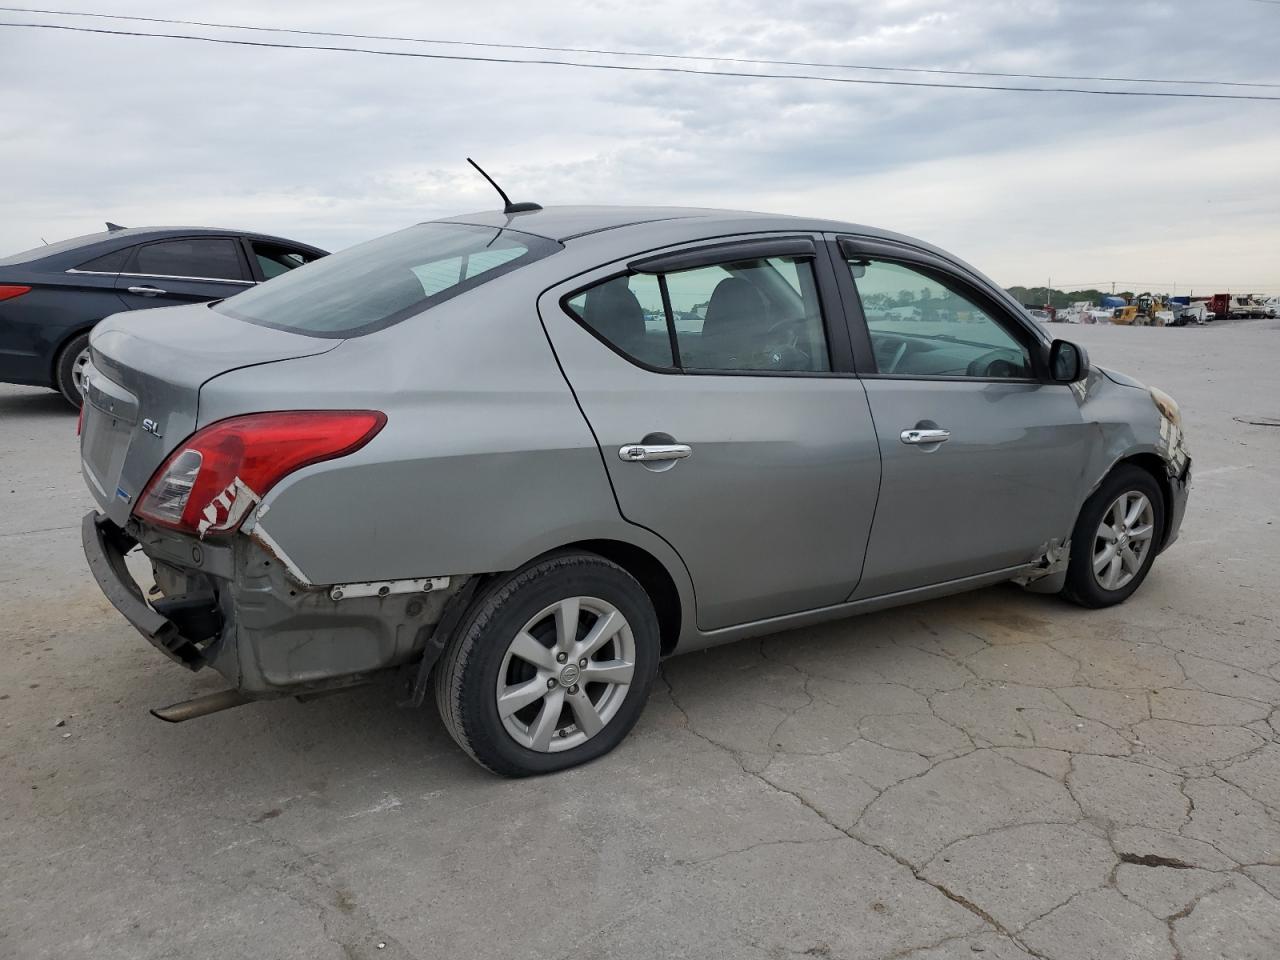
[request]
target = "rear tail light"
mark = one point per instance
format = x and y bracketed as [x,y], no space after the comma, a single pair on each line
[211,481]
[8,291]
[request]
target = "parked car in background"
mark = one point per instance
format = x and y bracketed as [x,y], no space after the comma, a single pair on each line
[51,296]
[526,455]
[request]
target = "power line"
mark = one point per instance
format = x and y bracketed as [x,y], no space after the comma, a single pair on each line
[638,53]
[632,68]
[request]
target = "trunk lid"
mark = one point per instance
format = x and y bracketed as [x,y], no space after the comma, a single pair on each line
[143,388]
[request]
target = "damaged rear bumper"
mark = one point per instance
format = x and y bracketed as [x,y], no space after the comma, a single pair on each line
[234,606]
[105,546]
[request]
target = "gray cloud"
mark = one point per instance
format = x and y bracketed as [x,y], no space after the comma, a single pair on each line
[335,148]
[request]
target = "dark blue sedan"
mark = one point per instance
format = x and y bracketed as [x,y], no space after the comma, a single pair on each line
[50,297]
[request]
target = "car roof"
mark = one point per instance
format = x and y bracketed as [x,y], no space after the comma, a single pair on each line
[105,241]
[620,231]
[570,222]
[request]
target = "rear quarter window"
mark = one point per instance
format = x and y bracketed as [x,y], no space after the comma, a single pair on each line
[379,283]
[107,263]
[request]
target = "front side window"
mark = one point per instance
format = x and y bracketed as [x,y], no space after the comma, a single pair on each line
[752,315]
[275,259]
[381,282]
[202,258]
[922,327]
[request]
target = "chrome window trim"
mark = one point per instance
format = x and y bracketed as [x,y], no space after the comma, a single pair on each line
[162,276]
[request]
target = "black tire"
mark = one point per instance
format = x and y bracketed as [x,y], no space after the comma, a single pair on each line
[1082,585]
[64,369]
[467,675]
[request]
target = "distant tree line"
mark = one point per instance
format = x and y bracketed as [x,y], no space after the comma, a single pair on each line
[1062,298]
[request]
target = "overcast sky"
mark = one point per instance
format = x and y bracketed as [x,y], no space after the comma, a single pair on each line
[334,148]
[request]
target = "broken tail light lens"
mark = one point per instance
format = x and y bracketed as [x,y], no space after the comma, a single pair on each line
[9,290]
[210,481]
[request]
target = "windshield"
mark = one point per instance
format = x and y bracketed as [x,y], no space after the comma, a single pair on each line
[376,284]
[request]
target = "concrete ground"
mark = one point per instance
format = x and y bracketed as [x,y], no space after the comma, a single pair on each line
[996,775]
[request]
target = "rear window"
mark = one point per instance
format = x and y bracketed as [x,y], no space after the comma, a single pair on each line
[376,284]
[50,249]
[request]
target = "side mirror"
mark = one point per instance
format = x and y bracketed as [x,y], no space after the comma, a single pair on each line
[1068,362]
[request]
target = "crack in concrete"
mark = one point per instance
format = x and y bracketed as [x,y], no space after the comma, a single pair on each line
[967,904]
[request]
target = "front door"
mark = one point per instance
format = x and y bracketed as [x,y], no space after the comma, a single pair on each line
[729,422]
[183,270]
[982,456]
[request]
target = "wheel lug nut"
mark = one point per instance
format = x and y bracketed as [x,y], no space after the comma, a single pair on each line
[574,688]
[582,662]
[551,682]
[561,657]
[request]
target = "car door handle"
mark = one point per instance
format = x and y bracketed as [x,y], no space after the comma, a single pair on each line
[147,291]
[925,436]
[637,452]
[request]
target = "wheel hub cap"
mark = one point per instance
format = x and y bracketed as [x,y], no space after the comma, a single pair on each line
[565,674]
[1123,540]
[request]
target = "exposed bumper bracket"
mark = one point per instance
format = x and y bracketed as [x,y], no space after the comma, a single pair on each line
[440,637]
[105,546]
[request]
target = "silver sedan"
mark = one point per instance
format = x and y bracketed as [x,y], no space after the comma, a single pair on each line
[513,460]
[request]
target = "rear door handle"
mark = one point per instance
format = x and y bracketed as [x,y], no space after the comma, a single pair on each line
[925,436]
[638,452]
[147,291]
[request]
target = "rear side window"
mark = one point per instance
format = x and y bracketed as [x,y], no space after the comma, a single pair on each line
[107,263]
[375,284]
[759,315]
[201,258]
[627,312]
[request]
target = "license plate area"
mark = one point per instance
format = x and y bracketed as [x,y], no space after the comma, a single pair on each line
[110,412]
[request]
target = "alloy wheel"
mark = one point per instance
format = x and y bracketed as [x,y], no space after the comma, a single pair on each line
[79,366]
[565,674]
[1123,539]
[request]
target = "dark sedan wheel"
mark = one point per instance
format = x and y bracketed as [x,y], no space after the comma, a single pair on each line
[69,374]
[1116,539]
[551,667]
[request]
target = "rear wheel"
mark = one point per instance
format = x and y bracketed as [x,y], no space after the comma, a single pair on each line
[1116,538]
[70,369]
[551,667]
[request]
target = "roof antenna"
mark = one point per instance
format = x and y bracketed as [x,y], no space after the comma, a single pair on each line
[508,207]
[113,227]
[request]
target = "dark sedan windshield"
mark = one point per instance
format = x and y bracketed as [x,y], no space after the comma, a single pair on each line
[376,284]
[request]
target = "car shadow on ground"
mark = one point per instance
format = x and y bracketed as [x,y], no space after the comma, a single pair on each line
[362,736]
[36,403]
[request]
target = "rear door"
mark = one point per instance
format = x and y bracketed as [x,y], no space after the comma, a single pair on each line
[982,456]
[180,270]
[729,418]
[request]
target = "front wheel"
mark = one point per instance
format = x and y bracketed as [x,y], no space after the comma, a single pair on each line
[551,667]
[1116,539]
